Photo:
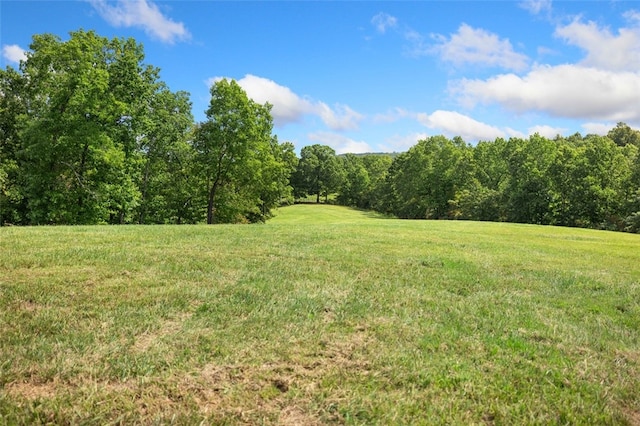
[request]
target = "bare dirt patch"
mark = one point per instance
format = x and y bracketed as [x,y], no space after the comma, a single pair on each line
[281,392]
[32,391]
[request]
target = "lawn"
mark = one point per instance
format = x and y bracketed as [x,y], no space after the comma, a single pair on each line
[324,315]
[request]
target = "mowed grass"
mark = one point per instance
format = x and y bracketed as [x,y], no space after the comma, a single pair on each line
[324,315]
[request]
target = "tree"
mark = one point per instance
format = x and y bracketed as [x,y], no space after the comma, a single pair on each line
[166,187]
[424,180]
[76,135]
[377,167]
[12,106]
[318,172]
[528,192]
[363,178]
[233,147]
[277,167]
[606,190]
[70,158]
[623,135]
[568,173]
[356,183]
[483,198]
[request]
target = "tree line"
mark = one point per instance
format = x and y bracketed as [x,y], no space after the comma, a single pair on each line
[90,134]
[580,181]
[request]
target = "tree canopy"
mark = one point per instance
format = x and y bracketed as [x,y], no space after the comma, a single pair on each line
[318,172]
[591,181]
[90,134]
[240,161]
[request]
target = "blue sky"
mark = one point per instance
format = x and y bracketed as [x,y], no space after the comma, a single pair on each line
[364,76]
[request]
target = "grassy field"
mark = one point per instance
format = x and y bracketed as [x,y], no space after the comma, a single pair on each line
[324,315]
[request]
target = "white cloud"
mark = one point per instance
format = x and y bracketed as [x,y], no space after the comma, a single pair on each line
[288,107]
[142,14]
[382,21]
[467,46]
[598,128]
[569,91]
[620,52]
[547,131]
[452,123]
[340,143]
[14,53]
[449,123]
[479,47]
[536,6]
[514,133]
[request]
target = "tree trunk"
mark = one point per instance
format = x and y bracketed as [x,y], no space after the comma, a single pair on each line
[210,204]
[80,178]
[145,185]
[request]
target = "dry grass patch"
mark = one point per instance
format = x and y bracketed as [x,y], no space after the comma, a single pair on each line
[282,392]
[168,328]
[31,391]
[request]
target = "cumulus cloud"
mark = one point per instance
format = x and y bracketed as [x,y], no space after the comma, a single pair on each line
[288,107]
[598,128]
[142,14]
[468,45]
[604,86]
[476,46]
[570,91]
[382,21]
[605,50]
[14,53]
[448,123]
[340,143]
[452,123]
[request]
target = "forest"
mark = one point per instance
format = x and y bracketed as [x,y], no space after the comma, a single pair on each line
[89,134]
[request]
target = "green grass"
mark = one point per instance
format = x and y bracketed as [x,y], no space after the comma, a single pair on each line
[324,315]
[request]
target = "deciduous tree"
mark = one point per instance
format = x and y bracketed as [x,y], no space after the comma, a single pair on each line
[234,151]
[318,172]
[85,112]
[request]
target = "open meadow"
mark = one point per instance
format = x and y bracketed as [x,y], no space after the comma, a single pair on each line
[324,315]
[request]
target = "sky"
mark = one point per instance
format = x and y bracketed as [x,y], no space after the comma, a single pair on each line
[366,76]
